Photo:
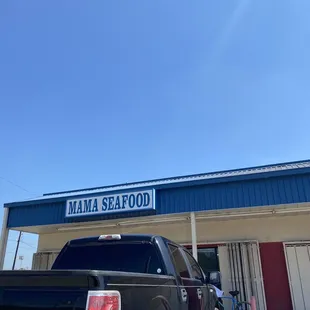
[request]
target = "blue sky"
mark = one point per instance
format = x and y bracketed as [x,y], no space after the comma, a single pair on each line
[100,92]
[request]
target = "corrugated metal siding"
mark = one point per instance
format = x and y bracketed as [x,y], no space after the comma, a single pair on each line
[55,214]
[264,192]
[259,192]
[241,270]
[46,214]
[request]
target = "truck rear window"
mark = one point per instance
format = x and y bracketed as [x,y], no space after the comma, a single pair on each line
[127,257]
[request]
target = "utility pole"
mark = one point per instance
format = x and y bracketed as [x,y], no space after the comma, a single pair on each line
[17,247]
[21,258]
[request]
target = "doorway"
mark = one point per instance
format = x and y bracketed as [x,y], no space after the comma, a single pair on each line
[298,268]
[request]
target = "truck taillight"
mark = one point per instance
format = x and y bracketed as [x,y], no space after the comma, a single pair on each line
[110,237]
[103,300]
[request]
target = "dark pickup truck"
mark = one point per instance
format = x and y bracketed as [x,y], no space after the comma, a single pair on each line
[112,272]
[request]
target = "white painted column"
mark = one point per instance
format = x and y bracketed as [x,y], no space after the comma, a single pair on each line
[4,237]
[194,235]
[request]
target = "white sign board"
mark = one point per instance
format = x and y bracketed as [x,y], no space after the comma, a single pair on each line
[107,204]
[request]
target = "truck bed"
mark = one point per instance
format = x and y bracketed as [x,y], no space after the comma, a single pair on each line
[66,290]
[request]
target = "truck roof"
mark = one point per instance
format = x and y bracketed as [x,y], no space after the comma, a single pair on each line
[124,237]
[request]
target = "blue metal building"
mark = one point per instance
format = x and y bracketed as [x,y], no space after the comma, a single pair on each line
[243,197]
[284,183]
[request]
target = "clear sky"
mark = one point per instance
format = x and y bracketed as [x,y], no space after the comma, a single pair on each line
[99,92]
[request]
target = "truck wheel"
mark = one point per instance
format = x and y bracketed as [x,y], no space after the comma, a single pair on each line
[160,303]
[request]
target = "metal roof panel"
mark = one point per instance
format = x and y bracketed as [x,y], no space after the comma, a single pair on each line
[180,179]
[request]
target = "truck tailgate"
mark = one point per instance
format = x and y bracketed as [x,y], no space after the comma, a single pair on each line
[48,290]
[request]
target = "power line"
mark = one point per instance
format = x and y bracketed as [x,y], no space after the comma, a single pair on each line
[26,249]
[16,185]
[21,241]
[32,246]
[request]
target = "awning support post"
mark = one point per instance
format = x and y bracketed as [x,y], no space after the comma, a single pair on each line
[194,235]
[4,237]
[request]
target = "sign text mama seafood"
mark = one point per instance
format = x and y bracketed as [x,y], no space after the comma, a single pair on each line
[104,204]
